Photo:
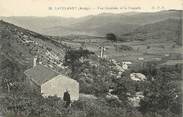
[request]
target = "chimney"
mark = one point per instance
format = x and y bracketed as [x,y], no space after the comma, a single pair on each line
[34,61]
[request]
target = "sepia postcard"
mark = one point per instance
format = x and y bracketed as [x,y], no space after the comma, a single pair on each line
[91,58]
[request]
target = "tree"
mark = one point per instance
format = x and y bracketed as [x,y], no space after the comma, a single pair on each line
[12,76]
[111,36]
[148,47]
[162,94]
[74,58]
[126,87]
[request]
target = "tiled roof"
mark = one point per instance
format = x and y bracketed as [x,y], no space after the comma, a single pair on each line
[40,74]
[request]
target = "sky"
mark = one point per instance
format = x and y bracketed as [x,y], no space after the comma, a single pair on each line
[79,8]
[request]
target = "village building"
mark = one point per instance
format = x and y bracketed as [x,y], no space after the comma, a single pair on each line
[43,80]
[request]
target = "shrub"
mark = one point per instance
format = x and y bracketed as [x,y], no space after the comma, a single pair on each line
[163,94]
[111,37]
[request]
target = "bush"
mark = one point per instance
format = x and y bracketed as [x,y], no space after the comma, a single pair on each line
[32,105]
[163,93]
[98,108]
[111,37]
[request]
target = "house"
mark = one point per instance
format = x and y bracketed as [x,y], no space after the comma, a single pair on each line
[50,83]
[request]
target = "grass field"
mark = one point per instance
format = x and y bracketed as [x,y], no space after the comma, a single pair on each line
[150,50]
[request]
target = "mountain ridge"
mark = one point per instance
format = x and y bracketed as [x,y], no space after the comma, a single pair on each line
[97,23]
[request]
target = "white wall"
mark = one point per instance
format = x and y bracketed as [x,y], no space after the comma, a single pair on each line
[58,85]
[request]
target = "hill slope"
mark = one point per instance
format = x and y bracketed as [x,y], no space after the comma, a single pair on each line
[19,46]
[167,30]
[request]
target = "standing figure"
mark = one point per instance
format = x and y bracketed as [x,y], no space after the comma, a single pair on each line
[67,99]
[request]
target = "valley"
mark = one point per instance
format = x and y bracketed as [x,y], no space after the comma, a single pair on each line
[126,65]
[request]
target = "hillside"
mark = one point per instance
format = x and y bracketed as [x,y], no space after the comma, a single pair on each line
[167,30]
[19,46]
[91,25]
[106,89]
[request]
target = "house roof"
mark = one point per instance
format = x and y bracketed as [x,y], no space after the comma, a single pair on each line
[40,74]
